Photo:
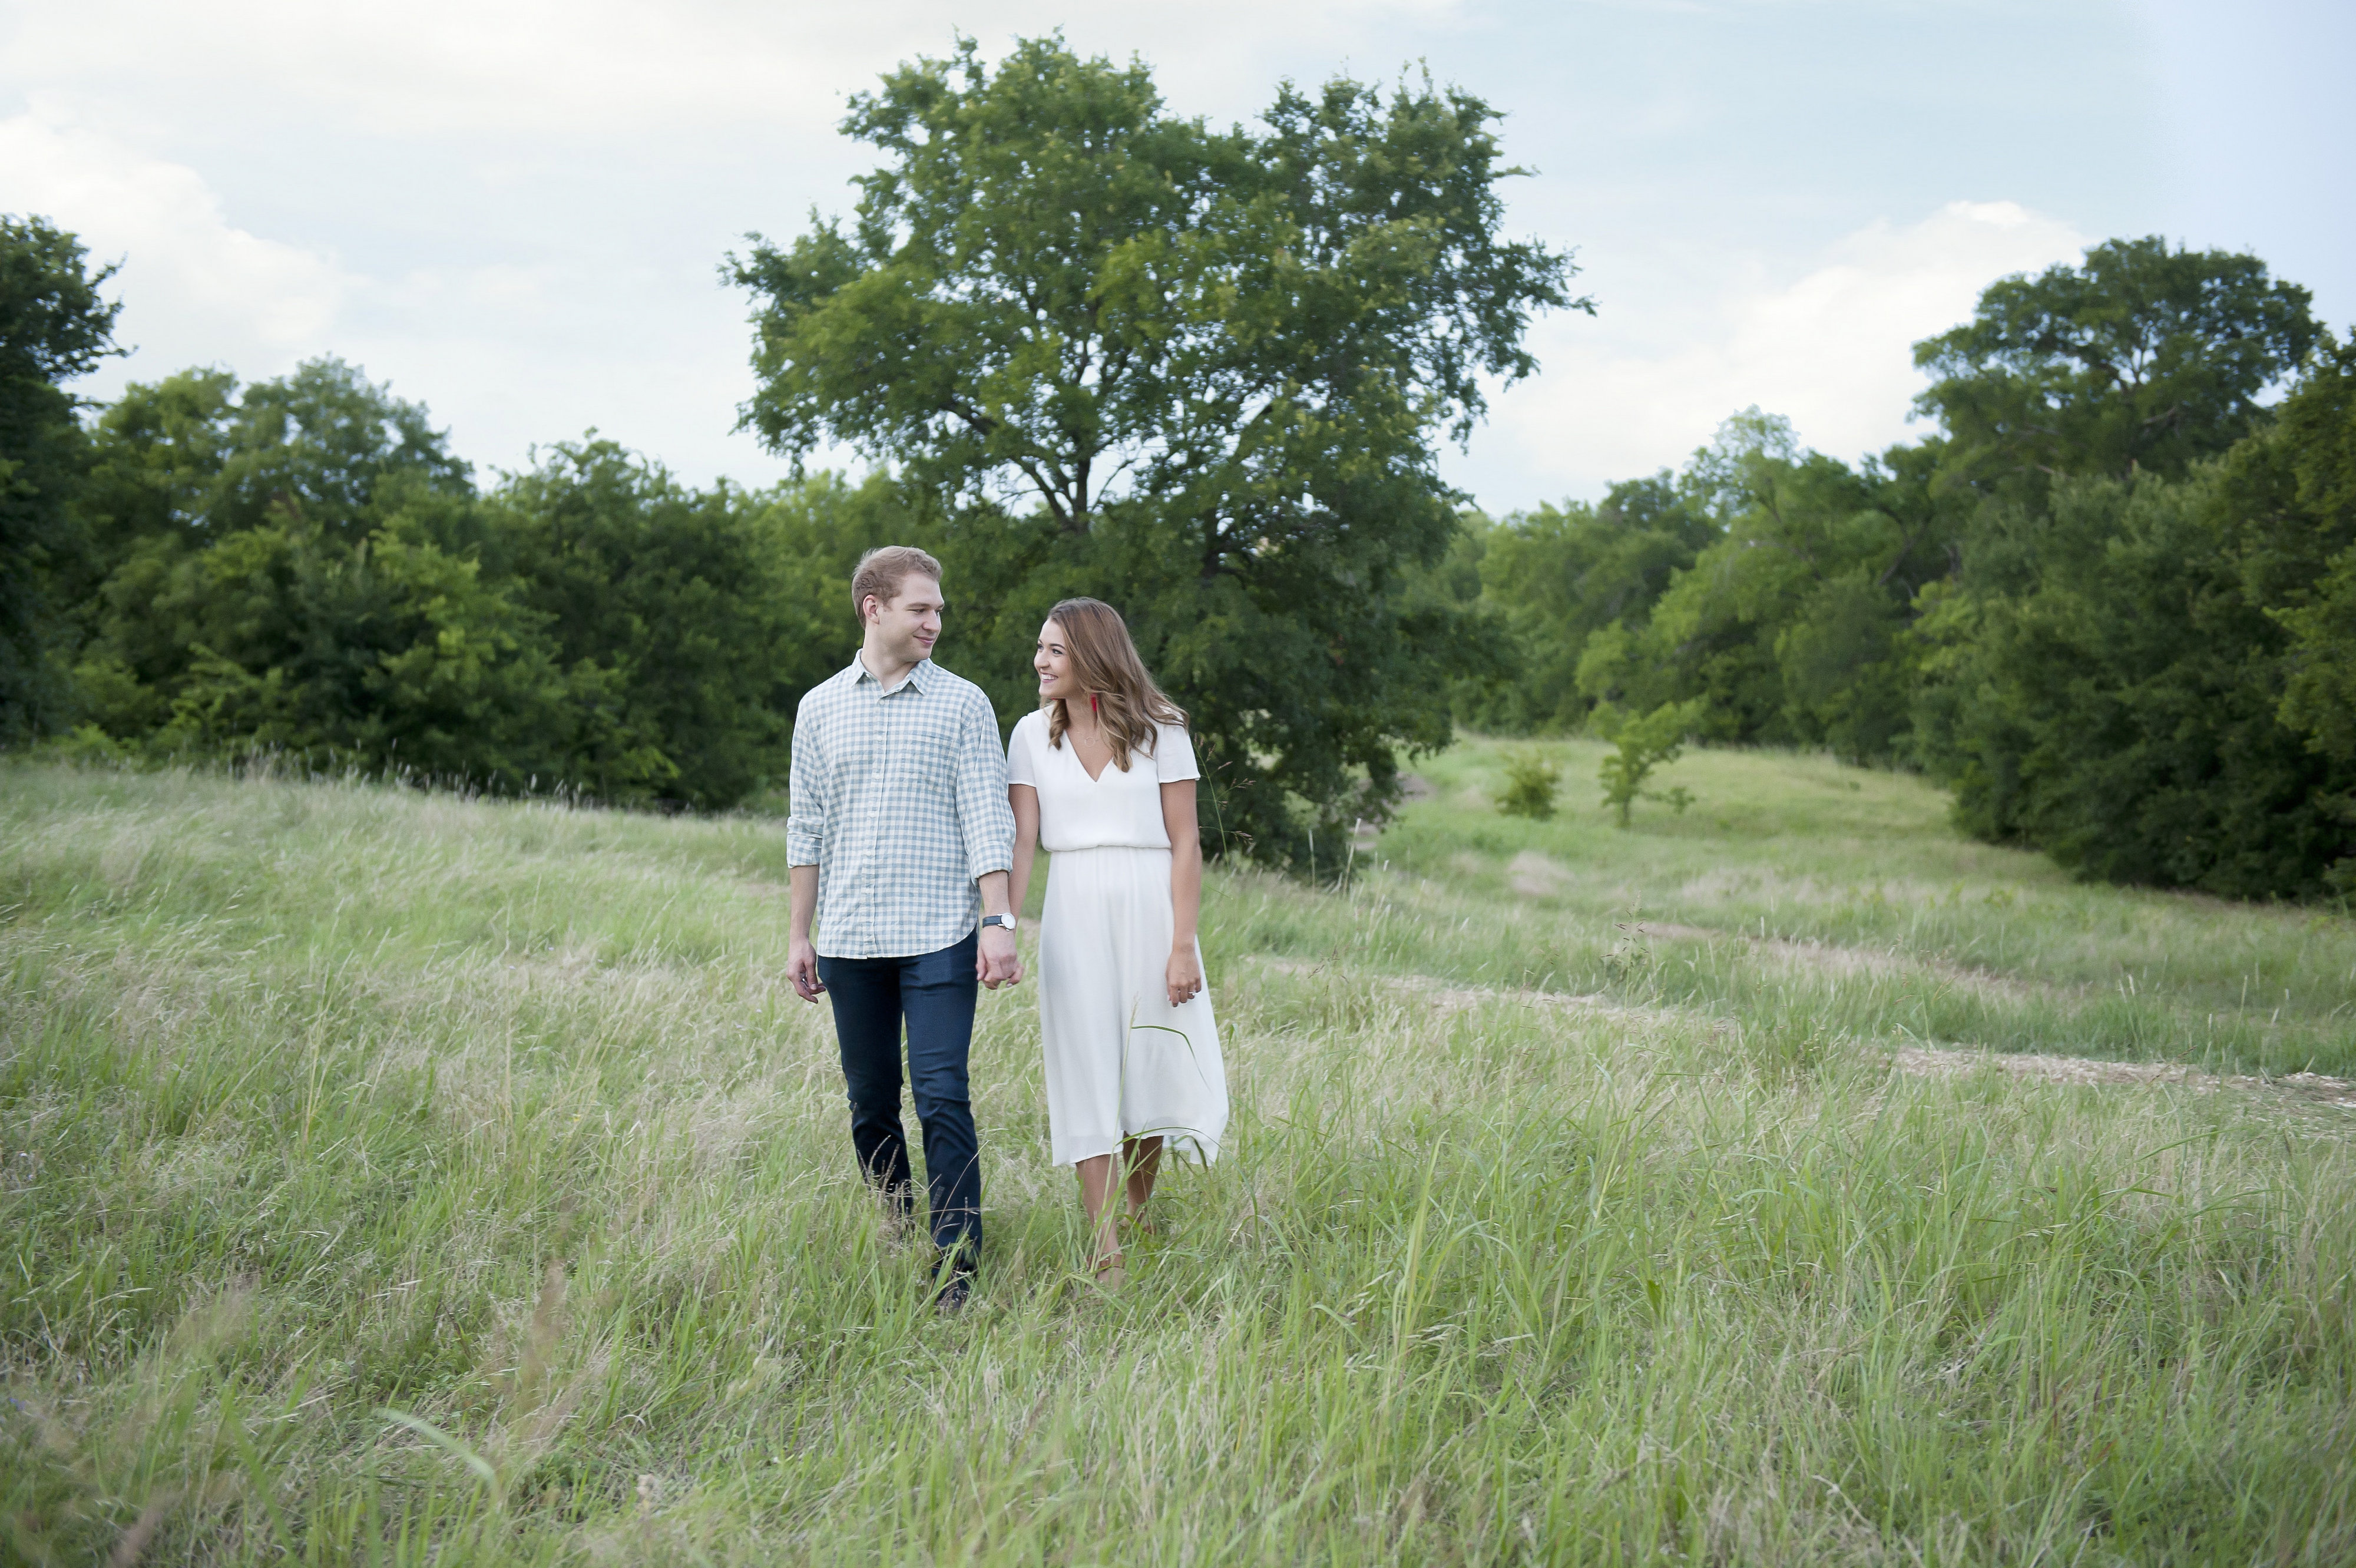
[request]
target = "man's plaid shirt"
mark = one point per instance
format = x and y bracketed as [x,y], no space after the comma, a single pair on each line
[899,799]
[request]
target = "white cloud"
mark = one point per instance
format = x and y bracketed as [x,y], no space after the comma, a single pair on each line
[609,70]
[198,288]
[532,196]
[533,193]
[1832,350]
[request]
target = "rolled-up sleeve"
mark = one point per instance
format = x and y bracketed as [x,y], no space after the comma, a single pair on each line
[806,806]
[983,816]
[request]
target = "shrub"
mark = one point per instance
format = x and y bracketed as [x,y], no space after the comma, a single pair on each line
[1530,783]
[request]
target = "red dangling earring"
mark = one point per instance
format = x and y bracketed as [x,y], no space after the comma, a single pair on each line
[1092,702]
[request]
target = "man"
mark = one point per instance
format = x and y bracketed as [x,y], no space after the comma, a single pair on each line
[899,838]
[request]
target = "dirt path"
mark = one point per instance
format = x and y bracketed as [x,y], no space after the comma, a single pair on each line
[1940,1061]
[1828,957]
[1454,998]
[1923,1061]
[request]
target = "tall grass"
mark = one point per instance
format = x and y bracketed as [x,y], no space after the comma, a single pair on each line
[395,1177]
[1801,885]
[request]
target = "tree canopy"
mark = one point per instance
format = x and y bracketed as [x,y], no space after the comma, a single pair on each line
[2147,357]
[303,564]
[54,327]
[1197,372]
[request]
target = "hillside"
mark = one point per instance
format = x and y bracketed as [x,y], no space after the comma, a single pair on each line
[1790,1180]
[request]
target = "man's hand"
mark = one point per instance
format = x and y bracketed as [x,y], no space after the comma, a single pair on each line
[801,959]
[999,962]
[802,968]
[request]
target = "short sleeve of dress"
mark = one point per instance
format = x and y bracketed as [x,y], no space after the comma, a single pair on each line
[1021,765]
[1174,754]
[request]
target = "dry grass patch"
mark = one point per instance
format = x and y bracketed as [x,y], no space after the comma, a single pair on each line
[1536,876]
[1838,961]
[2307,1089]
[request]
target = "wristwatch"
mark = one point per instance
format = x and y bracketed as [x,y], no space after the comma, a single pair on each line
[1006,920]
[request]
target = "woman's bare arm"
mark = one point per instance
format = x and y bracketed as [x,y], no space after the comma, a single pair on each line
[1024,800]
[1185,971]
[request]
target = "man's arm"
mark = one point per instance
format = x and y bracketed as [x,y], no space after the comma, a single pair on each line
[1000,961]
[802,968]
[988,827]
[806,806]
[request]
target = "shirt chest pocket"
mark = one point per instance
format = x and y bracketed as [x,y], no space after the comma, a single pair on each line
[920,752]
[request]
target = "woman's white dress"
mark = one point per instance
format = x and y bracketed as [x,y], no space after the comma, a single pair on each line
[1121,1062]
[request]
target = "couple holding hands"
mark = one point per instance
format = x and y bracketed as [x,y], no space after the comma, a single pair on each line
[911,838]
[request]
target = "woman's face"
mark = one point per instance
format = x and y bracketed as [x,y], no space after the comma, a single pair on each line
[1054,662]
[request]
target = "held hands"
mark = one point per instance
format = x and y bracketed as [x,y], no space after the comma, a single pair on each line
[1185,975]
[998,962]
[802,968]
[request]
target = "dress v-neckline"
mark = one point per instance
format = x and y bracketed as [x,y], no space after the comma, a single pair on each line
[1092,778]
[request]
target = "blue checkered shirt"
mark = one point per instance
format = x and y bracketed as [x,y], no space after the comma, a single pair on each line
[899,799]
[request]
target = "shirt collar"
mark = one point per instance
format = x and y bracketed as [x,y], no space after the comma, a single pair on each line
[920,677]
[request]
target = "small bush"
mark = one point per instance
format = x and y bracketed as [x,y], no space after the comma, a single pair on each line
[1530,783]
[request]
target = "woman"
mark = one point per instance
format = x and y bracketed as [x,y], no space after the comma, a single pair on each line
[1103,775]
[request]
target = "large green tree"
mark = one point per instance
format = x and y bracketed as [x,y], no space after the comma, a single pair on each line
[2133,665]
[303,564]
[2148,676]
[2125,713]
[54,327]
[321,459]
[1197,372]
[296,566]
[2144,358]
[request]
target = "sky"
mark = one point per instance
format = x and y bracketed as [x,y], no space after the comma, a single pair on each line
[515,211]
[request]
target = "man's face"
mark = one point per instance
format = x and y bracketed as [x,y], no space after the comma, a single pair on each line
[909,625]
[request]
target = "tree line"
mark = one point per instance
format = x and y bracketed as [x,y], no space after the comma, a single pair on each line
[302,566]
[2111,603]
[1090,346]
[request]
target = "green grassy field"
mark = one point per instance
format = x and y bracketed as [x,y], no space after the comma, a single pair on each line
[391,1178]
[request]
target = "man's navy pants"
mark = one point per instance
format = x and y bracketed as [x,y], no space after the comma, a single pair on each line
[935,993]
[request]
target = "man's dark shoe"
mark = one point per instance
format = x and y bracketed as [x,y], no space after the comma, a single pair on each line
[955,1290]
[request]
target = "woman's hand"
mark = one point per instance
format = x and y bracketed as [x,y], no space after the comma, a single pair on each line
[1185,975]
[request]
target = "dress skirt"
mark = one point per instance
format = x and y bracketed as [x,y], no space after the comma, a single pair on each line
[1122,1062]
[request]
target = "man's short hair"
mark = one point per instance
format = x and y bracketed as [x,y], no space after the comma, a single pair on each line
[883,570]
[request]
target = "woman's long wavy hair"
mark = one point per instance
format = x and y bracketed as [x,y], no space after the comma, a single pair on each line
[1105,661]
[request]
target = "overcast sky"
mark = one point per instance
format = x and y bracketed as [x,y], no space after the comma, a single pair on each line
[514,210]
